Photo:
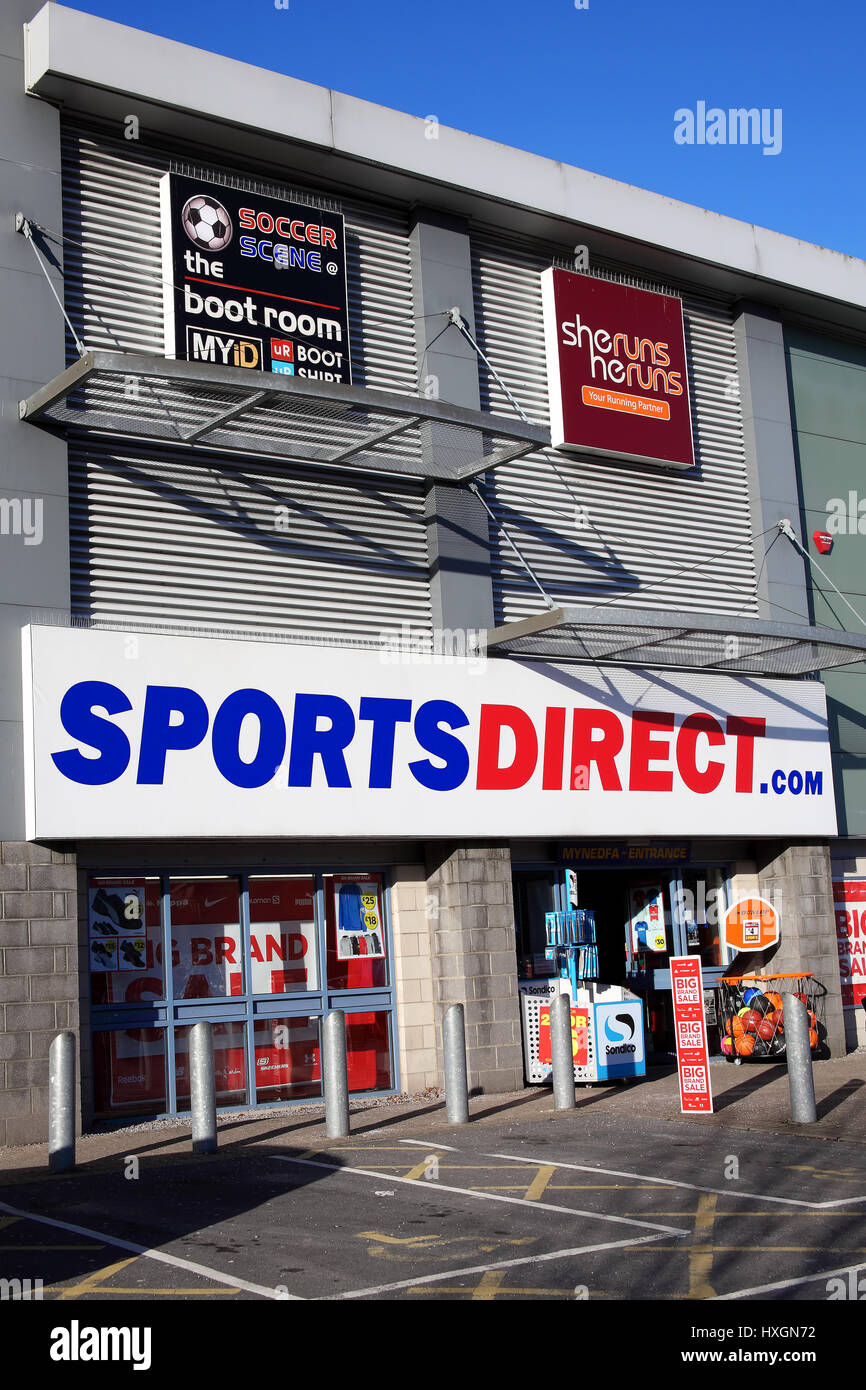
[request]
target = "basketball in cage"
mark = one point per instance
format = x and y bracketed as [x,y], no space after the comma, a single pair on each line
[753,1014]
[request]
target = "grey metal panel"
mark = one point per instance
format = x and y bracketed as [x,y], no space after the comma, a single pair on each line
[649,533]
[203,542]
[355,558]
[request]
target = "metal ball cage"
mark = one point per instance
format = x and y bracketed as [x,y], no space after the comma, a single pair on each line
[752,1015]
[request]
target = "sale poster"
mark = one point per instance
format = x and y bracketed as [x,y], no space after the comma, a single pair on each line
[359,919]
[579,1035]
[690,1032]
[849,897]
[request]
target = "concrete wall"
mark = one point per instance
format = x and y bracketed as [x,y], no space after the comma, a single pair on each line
[413,979]
[474,958]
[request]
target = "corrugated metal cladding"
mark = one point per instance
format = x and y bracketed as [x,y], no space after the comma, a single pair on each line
[178,539]
[646,534]
[204,541]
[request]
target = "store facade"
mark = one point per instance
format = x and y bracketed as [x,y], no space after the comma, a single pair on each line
[340,672]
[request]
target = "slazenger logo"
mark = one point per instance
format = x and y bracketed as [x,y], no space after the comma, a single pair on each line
[616,1036]
[651,752]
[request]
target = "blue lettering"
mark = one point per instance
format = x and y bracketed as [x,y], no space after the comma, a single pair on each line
[226,737]
[386,715]
[297,257]
[158,734]
[778,780]
[314,260]
[247,245]
[80,722]
[442,745]
[795,782]
[262,245]
[281,255]
[308,740]
[814,783]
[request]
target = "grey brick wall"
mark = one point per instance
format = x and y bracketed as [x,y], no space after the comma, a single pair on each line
[474,959]
[39,980]
[797,880]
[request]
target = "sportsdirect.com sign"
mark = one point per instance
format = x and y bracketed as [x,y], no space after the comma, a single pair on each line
[616,370]
[144,735]
[253,282]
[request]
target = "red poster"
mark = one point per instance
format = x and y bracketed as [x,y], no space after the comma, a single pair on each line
[690,1029]
[579,1036]
[849,896]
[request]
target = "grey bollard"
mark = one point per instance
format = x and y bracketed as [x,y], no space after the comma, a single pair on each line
[454,1051]
[336,1075]
[202,1089]
[799,1055]
[562,1052]
[61,1103]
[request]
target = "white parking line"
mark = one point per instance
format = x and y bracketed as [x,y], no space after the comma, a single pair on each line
[730,1191]
[434,1186]
[425,1144]
[161,1256]
[788,1283]
[499,1264]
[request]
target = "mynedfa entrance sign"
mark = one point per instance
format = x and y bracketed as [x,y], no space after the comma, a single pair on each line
[251,281]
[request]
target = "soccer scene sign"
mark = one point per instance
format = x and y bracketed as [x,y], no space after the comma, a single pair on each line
[253,282]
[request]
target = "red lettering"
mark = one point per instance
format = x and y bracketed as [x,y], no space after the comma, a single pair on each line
[224,949]
[554,750]
[586,750]
[298,235]
[296,946]
[280,226]
[254,949]
[313,234]
[745,730]
[492,777]
[692,728]
[247,217]
[265,222]
[329,237]
[645,750]
[274,947]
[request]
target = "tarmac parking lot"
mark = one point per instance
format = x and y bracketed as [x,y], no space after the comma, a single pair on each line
[523,1203]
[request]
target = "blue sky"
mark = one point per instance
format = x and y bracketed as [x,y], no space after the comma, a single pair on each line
[595,87]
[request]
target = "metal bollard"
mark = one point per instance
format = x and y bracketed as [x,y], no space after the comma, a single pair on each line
[202,1089]
[336,1075]
[799,1054]
[562,1052]
[454,1050]
[61,1103]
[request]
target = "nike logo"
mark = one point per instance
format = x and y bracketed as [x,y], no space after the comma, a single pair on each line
[209,902]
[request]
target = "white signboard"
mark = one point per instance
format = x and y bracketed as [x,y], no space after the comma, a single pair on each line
[131,737]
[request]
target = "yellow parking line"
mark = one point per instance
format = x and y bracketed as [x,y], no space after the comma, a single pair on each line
[420,1170]
[535,1190]
[93,1281]
[701,1256]
[488,1285]
[163,1293]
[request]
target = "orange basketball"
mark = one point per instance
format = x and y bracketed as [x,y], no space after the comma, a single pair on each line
[752,1020]
[729,1024]
[766,1029]
[776,1019]
[813,1022]
[776,1000]
[813,1037]
[737,1026]
[745,1045]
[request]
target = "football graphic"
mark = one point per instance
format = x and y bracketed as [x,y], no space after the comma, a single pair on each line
[206,222]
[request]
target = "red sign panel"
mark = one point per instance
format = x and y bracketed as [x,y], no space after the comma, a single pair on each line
[616,369]
[690,1029]
[849,896]
[579,1036]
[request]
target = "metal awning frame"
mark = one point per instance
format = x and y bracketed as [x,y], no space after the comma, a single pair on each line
[664,625]
[412,411]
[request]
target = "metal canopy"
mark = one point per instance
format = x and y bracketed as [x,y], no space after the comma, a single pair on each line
[685,641]
[199,404]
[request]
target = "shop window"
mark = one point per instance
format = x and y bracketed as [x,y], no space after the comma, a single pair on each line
[357,948]
[128,1072]
[368,1052]
[288,1059]
[284,955]
[124,940]
[229,1064]
[206,942]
